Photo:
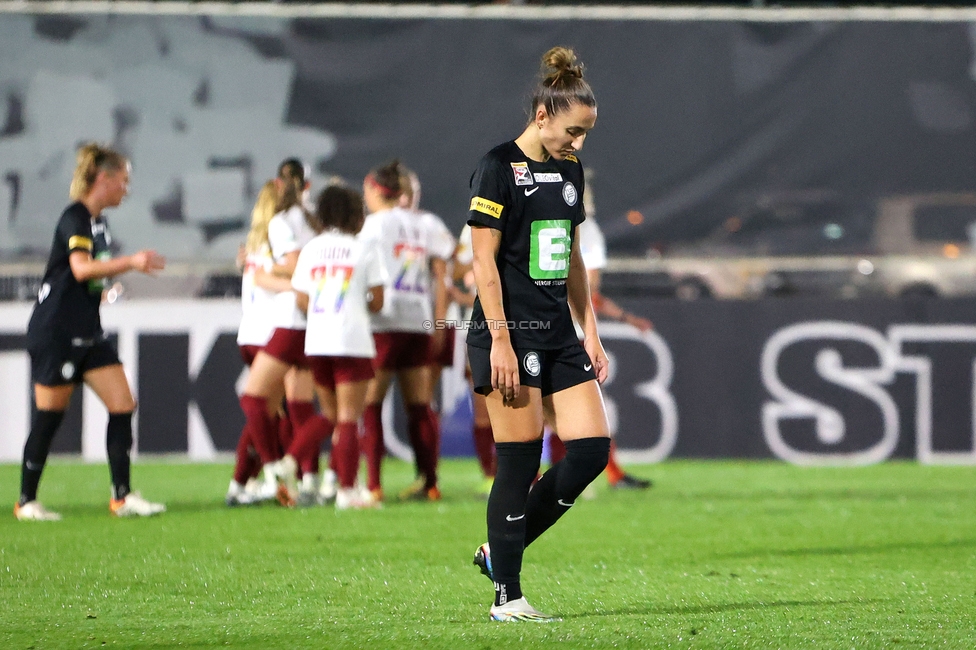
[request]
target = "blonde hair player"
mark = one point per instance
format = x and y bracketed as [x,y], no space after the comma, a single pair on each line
[65,339]
[525,212]
[253,334]
[280,368]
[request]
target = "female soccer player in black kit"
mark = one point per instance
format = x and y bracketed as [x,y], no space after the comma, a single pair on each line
[65,339]
[525,209]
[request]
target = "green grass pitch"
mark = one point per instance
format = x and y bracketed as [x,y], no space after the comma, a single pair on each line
[716,555]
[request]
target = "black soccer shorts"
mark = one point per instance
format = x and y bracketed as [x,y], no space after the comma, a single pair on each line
[549,370]
[60,361]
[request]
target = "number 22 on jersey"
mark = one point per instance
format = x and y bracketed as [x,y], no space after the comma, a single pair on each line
[331,287]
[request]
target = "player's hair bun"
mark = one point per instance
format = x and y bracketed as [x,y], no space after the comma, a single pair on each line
[559,64]
[562,83]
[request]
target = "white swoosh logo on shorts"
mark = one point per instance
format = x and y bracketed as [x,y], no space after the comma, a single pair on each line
[564,504]
[529,192]
[511,518]
[588,367]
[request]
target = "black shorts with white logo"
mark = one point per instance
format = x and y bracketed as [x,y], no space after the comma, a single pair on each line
[60,361]
[549,370]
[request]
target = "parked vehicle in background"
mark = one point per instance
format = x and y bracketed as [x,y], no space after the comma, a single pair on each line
[819,243]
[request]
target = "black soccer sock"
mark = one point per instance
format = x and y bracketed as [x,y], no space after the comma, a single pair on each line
[119,443]
[557,490]
[44,425]
[518,465]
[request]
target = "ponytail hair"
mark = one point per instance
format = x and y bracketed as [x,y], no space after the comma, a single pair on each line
[291,174]
[562,83]
[264,209]
[386,179]
[93,158]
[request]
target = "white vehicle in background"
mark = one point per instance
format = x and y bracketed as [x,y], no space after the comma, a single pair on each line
[811,243]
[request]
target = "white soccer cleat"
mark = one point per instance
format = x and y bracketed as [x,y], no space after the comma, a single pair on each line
[308,491]
[34,511]
[355,499]
[288,482]
[237,495]
[260,491]
[519,610]
[133,505]
[329,487]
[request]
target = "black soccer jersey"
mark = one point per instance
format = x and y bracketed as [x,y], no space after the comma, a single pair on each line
[537,207]
[67,308]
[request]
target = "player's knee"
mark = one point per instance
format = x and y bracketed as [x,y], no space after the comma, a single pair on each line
[588,457]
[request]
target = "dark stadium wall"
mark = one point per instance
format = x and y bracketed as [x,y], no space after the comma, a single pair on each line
[694,115]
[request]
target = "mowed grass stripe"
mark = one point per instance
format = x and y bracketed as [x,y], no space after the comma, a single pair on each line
[716,555]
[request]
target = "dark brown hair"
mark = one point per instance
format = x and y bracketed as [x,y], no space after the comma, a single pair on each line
[387,179]
[291,173]
[340,208]
[562,83]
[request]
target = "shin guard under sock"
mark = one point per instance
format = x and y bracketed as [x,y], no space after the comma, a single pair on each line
[307,444]
[118,442]
[260,428]
[345,450]
[518,464]
[44,425]
[243,463]
[422,440]
[372,444]
[557,490]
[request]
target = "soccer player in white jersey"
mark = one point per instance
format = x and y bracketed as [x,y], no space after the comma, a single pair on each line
[442,336]
[255,329]
[484,441]
[414,260]
[339,281]
[269,380]
[593,250]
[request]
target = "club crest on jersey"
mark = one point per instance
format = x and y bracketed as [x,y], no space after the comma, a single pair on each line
[68,370]
[569,194]
[522,175]
[532,364]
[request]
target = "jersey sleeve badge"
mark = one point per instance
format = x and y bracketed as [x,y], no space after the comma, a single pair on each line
[77,242]
[522,175]
[485,206]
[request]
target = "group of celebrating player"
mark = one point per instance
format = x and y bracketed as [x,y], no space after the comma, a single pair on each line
[338,298]
[335,304]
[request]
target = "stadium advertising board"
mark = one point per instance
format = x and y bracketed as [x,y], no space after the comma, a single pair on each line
[806,381]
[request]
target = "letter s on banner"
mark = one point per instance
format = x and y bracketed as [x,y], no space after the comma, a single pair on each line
[830,423]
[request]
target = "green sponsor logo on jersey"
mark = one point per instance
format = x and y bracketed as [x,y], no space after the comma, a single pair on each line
[98,285]
[551,246]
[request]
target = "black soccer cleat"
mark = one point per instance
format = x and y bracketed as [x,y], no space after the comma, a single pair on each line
[631,482]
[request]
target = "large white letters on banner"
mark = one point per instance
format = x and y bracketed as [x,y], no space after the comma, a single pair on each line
[868,382]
